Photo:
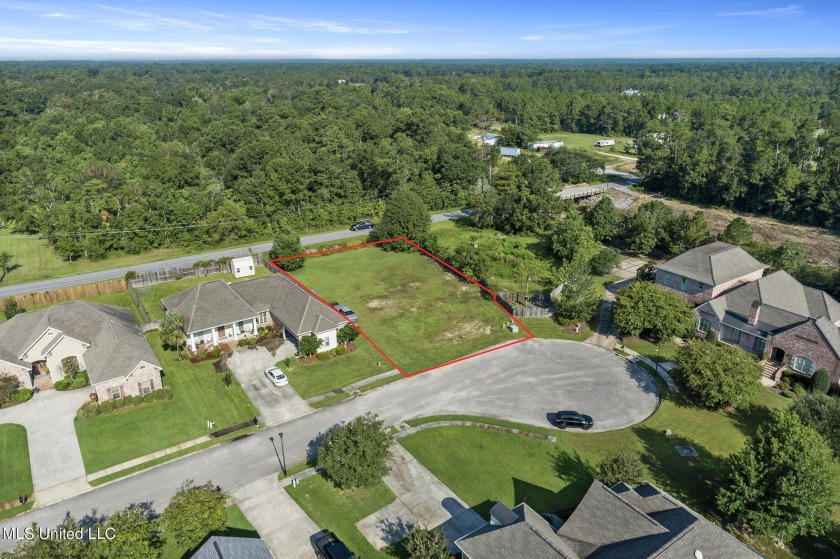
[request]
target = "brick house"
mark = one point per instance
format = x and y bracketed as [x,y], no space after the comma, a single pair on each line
[780,320]
[619,521]
[217,313]
[105,340]
[705,272]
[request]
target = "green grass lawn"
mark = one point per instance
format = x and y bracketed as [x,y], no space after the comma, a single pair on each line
[320,377]
[198,396]
[338,511]
[547,328]
[417,314]
[587,141]
[154,294]
[16,474]
[551,476]
[237,527]
[649,349]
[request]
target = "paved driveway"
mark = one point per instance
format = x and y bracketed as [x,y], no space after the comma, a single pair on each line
[525,383]
[275,403]
[57,467]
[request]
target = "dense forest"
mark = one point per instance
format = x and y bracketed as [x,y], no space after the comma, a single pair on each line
[101,157]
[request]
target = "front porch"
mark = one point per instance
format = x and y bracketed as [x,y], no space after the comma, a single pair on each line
[772,372]
[225,334]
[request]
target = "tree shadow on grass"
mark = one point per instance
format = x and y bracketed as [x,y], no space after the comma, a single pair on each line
[576,473]
[749,418]
[693,480]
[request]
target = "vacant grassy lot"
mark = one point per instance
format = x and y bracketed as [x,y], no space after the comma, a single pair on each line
[551,476]
[587,141]
[15,475]
[154,294]
[198,396]
[320,377]
[237,527]
[417,314]
[338,511]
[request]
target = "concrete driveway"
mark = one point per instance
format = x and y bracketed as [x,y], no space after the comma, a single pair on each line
[57,467]
[275,403]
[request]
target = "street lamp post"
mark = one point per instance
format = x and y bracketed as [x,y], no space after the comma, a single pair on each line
[283,451]
[282,467]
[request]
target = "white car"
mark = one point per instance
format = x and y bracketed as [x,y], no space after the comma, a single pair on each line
[276,376]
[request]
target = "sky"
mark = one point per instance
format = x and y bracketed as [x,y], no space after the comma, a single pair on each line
[402,29]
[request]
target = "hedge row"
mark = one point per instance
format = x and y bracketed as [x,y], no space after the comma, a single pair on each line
[94,409]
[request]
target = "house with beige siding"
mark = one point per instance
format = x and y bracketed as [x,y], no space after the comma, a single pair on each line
[220,314]
[705,272]
[105,341]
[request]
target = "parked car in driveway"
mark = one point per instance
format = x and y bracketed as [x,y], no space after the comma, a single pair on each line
[276,376]
[565,419]
[328,546]
[363,224]
[346,312]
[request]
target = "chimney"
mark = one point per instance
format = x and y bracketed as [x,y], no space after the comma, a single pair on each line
[755,309]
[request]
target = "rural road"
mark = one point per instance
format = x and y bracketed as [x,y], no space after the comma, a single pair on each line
[525,383]
[114,273]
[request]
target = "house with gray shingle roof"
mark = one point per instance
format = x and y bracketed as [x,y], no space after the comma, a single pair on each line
[225,547]
[610,522]
[216,312]
[105,340]
[779,319]
[705,272]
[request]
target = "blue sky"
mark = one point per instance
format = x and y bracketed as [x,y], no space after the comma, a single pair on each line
[210,29]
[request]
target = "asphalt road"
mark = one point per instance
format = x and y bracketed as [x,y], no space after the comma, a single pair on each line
[526,383]
[114,273]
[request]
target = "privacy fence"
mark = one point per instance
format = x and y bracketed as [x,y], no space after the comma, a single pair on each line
[536,304]
[65,294]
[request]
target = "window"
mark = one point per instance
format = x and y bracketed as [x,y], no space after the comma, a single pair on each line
[146,386]
[684,285]
[325,341]
[701,286]
[802,364]
[666,278]
[729,334]
[262,318]
[704,325]
[758,345]
[116,392]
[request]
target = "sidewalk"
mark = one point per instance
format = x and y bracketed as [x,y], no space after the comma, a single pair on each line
[661,370]
[350,388]
[146,458]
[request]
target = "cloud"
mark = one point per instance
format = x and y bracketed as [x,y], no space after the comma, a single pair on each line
[278,23]
[787,11]
[533,38]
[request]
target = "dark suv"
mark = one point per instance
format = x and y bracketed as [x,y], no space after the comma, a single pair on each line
[565,419]
[327,546]
[359,225]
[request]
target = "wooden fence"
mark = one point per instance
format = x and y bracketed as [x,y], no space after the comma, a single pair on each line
[152,277]
[536,304]
[66,294]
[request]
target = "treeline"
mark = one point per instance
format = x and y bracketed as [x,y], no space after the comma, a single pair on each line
[102,157]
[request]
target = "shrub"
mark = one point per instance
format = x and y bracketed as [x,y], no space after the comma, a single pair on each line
[70,366]
[63,384]
[215,352]
[89,409]
[107,406]
[164,393]
[150,397]
[135,400]
[21,395]
[227,379]
[119,403]
[820,383]
[323,356]
[623,466]
[80,381]
[309,344]
[130,275]
[356,454]
[201,355]
[287,361]
[799,390]
[340,350]
[604,261]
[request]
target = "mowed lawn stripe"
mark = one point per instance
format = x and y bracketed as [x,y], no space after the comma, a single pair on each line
[16,473]
[419,315]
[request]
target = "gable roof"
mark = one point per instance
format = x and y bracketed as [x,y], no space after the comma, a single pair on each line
[116,343]
[295,307]
[713,264]
[224,547]
[208,305]
[785,303]
[609,523]
[527,535]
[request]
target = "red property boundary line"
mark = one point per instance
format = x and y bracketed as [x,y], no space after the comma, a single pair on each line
[436,259]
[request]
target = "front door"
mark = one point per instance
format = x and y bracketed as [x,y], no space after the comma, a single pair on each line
[778,354]
[221,332]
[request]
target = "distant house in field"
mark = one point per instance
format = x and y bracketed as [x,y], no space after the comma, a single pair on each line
[705,272]
[509,152]
[489,139]
[105,340]
[217,313]
[610,522]
[243,267]
[778,318]
[545,145]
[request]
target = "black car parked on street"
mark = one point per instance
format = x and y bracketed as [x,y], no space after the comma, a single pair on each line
[359,225]
[565,419]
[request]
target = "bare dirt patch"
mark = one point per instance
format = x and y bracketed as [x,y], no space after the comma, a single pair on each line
[467,331]
[379,304]
[820,246]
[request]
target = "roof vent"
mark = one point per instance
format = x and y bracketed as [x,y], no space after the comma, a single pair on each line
[698,554]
